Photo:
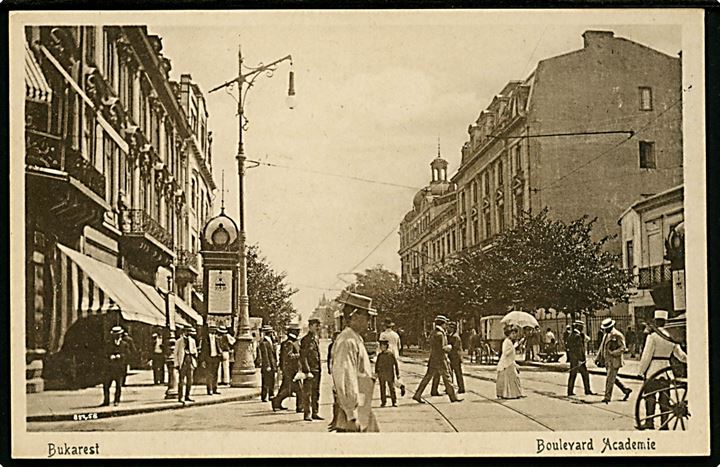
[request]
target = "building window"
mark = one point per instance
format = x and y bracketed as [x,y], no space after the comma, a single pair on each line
[629,264]
[474,192]
[110,55]
[647,155]
[486,187]
[500,173]
[645,98]
[501,217]
[488,225]
[476,230]
[90,44]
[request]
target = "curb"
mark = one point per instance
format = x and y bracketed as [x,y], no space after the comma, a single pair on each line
[122,412]
[592,371]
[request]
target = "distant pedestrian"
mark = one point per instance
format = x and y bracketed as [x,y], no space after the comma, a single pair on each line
[117,352]
[438,362]
[549,338]
[578,359]
[351,369]
[386,369]
[132,352]
[311,367]
[266,361]
[610,353]
[212,357]
[472,345]
[158,359]
[394,345]
[657,354]
[537,338]
[630,341]
[507,384]
[455,359]
[226,342]
[290,365]
[186,360]
[566,336]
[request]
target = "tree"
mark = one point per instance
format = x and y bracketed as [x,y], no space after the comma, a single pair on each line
[379,284]
[268,293]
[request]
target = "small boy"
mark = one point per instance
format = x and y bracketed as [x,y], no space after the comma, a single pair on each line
[386,369]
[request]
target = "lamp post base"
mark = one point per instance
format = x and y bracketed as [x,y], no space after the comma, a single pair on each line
[244,374]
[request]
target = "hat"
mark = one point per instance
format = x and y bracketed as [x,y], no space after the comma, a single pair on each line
[578,324]
[441,319]
[608,323]
[391,324]
[313,320]
[266,328]
[213,327]
[222,330]
[383,341]
[661,314]
[357,301]
[453,324]
[568,327]
[293,332]
[117,330]
[154,334]
[191,330]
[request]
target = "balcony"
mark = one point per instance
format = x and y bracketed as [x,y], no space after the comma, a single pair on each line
[81,169]
[653,276]
[145,241]
[42,149]
[186,266]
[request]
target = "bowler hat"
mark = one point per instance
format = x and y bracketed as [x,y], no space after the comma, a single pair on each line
[117,330]
[608,323]
[661,314]
[357,301]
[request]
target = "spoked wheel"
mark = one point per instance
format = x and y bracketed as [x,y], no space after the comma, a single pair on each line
[668,388]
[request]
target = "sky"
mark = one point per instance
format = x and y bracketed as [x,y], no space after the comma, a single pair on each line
[374,93]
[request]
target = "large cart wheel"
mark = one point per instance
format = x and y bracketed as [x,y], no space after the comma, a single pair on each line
[670,384]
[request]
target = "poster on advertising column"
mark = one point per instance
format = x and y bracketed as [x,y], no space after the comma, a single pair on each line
[219,292]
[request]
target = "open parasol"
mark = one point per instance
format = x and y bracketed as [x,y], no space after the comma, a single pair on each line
[519,318]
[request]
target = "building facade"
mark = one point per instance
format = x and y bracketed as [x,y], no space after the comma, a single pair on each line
[110,159]
[587,133]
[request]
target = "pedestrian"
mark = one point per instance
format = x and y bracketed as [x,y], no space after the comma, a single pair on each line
[610,355]
[310,366]
[132,353]
[472,345]
[212,356]
[351,369]
[566,336]
[438,362]
[290,365]
[549,339]
[266,361]
[117,352]
[158,359]
[656,355]
[507,384]
[577,359]
[630,341]
[536,343]
[186,355]
[386,369]
[455,359]
[226,343]
[394,345]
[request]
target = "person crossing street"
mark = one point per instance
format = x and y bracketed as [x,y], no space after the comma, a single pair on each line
[311,368]
[438,362]
[290,365]
[455,360]
[610,355]
[577,359]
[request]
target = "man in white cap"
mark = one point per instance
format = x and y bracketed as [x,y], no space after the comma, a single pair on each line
[290,365]
[116,357]
[659,347]
[351,369]
[312,369]
[186,360]
[610,355]
[438,362]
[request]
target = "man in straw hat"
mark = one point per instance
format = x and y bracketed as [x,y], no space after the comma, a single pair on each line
[116,357]
[659,347]
[311,368]
[438,363]
[186,356]
[577,359]
[267,363]
[290,365]
[610,352]
[226,343]
[351,369]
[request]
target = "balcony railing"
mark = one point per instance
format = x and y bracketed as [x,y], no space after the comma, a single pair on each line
[186,259]
[651,276]
[42,149]
[80,168]
[137,221]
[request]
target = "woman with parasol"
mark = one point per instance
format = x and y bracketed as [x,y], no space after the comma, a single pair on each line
[508,377]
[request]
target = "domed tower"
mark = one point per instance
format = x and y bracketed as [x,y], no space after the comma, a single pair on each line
[439,184]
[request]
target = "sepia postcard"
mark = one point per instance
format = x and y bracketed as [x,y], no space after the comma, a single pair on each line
[250,233]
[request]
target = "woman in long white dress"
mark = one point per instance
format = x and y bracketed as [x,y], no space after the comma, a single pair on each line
[508,377]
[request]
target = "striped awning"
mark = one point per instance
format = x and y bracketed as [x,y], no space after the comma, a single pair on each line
[90,287]
[184,314]
[36,86]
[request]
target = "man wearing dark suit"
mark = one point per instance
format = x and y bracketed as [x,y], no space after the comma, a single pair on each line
[186,356]
[212,356]
[310,366]
[455,362]
[267,363]
[117,353]
[438,362]
[290,365]
[577,359]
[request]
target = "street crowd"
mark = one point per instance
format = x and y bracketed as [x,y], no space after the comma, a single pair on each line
[299,370]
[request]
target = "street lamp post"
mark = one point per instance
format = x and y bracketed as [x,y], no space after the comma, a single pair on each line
[171,392]
[243,372]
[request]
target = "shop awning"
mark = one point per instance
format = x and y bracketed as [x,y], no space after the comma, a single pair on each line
[184,314]
[36,86]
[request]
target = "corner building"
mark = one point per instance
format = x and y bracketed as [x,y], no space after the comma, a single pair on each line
[550,141]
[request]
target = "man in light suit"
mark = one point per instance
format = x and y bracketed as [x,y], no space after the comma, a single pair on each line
[612,347]
[186,355]
[659,347]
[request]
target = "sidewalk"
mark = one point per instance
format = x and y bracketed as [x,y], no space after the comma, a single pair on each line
[138,396]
